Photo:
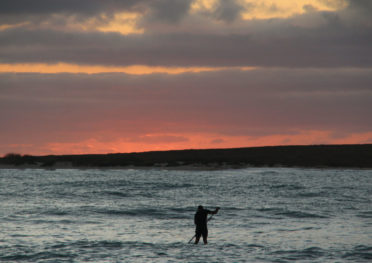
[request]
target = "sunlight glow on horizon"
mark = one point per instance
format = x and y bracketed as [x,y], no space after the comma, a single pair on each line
[191,141]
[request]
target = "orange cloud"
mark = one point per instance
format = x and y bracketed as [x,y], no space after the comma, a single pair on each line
[95,69]
[9,26]
[124,23]
[268,9]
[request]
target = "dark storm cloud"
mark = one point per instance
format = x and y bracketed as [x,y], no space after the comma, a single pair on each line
[228,10]
[88,7]
[364,5]
[163,10]
[359,12]
[269,43]
[330,46]
[169,10]
[37,11]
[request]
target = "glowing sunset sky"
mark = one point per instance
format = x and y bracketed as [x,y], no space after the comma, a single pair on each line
[93,76]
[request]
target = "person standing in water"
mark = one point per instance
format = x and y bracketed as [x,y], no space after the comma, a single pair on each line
[200,220]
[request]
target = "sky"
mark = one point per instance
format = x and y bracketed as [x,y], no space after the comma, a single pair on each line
[93,76]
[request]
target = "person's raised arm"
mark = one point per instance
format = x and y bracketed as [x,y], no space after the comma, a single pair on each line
[215,211]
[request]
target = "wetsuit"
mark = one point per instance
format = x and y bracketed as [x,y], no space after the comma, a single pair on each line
[200,220]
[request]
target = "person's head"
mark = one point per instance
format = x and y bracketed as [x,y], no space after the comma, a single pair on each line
[200,207]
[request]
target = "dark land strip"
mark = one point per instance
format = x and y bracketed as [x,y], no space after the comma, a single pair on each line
[318,156]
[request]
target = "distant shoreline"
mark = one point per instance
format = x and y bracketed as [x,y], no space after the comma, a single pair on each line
[171,168]
[313,156]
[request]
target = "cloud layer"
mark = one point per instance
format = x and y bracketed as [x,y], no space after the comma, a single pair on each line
[198,73]
[172,36]
[249,104]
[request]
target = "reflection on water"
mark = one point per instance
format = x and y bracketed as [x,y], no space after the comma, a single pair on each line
[147,215]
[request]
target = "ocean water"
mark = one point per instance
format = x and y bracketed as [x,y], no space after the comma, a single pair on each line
[267,215]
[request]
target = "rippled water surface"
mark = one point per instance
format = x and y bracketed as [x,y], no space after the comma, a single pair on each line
[267,215]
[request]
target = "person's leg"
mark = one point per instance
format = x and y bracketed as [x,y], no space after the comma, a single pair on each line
[197,238]
[205,237]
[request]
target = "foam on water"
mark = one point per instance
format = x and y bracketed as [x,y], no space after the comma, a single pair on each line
[267,215]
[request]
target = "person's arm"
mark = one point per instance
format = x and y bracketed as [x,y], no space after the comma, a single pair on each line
[214,212]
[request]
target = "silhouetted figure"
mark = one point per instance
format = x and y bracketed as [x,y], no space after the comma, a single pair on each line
[200,220]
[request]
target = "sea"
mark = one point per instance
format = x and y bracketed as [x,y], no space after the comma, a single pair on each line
[146,215]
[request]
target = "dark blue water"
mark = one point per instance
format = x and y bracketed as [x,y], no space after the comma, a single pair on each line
[267,215]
